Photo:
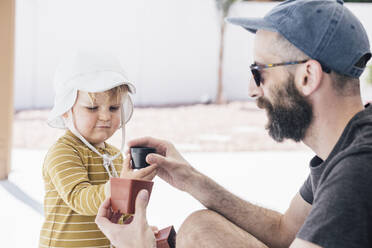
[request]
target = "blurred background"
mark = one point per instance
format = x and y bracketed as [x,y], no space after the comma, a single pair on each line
[191,73]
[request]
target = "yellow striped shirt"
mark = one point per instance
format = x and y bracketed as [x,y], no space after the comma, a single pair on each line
[74,179]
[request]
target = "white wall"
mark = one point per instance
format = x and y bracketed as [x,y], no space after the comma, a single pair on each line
[169,48]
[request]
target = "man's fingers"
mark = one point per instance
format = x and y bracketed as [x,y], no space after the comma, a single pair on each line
[141,205]
[102,218]
[154,158]
[103,222]
[106,226]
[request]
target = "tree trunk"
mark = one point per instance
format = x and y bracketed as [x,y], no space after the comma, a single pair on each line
[219,98]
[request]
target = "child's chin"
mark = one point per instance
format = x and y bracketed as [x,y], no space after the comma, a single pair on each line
[98,139]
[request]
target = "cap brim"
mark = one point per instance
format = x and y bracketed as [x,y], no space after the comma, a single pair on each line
[252,24]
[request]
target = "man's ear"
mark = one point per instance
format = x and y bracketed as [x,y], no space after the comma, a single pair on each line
[65,115]
[309,77]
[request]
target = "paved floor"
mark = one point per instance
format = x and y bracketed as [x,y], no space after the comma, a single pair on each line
[269,179]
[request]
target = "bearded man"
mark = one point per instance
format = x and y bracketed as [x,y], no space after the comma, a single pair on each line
[309,55]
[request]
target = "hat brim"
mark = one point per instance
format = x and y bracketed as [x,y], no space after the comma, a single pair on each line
[94,82]
[252,24]
[101,81]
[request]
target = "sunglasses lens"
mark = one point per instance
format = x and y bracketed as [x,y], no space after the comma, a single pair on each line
[256,76]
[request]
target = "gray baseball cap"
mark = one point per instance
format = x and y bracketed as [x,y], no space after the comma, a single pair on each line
[325,30]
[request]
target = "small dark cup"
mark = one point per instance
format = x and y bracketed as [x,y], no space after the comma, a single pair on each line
[139,156]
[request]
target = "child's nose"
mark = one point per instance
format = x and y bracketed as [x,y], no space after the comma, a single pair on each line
[105,115]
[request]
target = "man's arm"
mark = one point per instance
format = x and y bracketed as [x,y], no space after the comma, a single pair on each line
[270,227]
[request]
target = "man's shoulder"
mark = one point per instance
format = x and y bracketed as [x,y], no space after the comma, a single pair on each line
[353,169]
[357,162]
[354,149]
[342,202]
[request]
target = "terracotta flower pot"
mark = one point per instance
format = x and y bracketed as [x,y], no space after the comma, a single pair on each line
[124,193]
[166,238]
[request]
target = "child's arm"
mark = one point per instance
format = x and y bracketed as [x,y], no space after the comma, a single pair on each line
[70,178]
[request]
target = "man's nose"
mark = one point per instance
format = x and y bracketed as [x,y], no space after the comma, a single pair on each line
[254,91]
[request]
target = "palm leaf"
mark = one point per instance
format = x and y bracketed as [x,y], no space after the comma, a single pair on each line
[224,6]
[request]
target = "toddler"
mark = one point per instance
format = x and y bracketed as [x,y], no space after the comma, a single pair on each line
[92,101]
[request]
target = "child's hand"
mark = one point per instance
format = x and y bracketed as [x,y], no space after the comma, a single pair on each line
[154,229]
[147,173]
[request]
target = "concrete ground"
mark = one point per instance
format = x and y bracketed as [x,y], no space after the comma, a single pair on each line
[269,179]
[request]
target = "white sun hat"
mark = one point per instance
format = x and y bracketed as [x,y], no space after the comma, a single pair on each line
[90,72]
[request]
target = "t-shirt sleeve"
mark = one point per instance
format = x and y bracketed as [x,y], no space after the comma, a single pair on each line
[306,191]
[67,173]
[341,214]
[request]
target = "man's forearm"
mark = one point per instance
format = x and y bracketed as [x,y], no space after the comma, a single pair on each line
[264,224]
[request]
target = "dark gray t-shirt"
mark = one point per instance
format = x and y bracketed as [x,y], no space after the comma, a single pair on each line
[340,190]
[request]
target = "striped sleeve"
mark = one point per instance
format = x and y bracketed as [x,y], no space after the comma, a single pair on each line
[70,178]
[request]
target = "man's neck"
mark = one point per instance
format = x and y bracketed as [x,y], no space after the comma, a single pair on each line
[330,120]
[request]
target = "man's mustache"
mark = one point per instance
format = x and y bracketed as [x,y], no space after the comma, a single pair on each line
[263,103]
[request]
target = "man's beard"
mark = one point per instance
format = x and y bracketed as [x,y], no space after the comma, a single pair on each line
[290,115]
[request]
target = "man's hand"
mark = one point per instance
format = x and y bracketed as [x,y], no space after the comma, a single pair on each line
[172,167]
[136,234]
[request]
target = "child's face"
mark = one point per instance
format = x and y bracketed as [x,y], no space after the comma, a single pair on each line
[97,120]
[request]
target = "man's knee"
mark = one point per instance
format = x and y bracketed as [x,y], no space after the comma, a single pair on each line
[206,228]
[197,227]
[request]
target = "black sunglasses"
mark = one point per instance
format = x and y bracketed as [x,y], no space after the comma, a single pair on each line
[255,69]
